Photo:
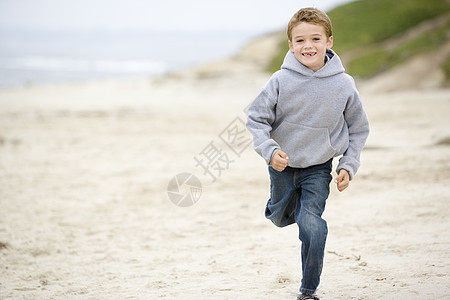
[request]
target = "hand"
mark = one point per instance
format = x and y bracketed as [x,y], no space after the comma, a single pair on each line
[343,180]
[279,161]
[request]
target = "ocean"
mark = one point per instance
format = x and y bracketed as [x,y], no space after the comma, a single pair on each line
[52,41]
[56,56]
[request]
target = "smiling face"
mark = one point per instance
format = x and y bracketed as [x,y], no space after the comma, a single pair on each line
[309,44]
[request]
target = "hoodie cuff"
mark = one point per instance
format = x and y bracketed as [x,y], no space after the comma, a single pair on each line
[269,151]
[271,156]
[347,165]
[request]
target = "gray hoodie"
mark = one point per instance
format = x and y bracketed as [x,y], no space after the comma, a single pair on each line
[312,116]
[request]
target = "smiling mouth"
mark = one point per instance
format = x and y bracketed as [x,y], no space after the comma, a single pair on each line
[309,54]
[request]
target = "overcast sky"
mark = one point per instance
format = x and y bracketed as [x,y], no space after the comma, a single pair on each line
[161,15]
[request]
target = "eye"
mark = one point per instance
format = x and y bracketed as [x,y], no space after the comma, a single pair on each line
[316,39]
[299,41]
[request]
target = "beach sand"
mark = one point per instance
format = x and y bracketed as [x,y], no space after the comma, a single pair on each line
[85,213]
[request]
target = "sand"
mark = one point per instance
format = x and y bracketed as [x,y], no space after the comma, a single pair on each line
[85,213]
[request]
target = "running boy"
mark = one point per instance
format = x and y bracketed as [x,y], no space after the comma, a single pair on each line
[308,113]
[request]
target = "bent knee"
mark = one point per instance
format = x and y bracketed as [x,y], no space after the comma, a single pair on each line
[279,220]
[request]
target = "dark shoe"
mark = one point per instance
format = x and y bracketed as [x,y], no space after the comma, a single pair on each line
[307,297]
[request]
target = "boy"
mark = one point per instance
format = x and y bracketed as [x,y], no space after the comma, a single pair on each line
[308,113]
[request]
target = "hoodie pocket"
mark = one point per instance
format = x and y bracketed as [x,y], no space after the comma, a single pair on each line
[304,145]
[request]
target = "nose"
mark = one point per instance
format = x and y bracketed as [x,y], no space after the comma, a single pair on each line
[308,44]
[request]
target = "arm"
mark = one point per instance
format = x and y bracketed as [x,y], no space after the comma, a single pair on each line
[260,117]
[358,128]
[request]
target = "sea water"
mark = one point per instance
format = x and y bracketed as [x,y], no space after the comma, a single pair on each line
[55,56]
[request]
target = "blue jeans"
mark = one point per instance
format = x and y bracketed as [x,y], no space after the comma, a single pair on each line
[299,196]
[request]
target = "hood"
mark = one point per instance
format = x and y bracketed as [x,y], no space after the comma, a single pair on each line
[334,65]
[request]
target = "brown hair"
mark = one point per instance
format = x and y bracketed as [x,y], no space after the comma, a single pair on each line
[310,15]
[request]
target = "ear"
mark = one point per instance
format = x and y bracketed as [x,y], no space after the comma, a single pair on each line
[291,47]
[330,42]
